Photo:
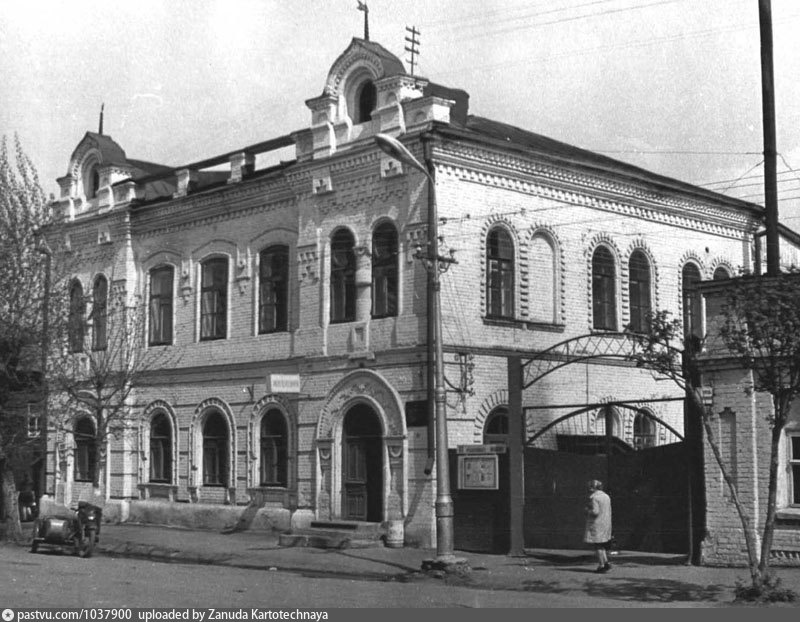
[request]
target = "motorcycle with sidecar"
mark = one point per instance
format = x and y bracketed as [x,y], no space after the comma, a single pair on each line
[78,531]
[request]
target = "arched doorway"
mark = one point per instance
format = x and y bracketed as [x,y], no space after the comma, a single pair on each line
[362,465]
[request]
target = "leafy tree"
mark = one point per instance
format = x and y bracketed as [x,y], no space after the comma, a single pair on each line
[23,210]
[759,328]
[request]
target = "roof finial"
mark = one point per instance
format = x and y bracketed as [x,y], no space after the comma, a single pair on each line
[362,6]
[100,129]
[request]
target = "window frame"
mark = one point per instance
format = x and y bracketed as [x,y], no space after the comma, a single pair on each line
[640,291]
[217,291]
[497,415]
[161,306]
[500,274]
[273,290]
[85,457]
[793,468]
[99,315]
[273,463]
[692,302]
[76,321]
[385,271]
[604,289]
[216,449]
[343,278]
[160,450]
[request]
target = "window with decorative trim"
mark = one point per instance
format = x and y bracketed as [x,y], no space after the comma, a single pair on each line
[543,279]
[343,277]
[160,308]
[604,291]
[499,274]
[367,99]
[273,291]
[100,313]
[213,299]
[644,432]
[274,449]
[215,450]
[76,319]
[721,273]
[160,450]
[639,291]
[85,450]
[384,270]
[692,304]
[495,429]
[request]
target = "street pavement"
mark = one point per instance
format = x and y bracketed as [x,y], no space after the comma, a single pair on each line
[636,578]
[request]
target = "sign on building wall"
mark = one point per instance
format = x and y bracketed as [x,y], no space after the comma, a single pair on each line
[283,383]
[478,472]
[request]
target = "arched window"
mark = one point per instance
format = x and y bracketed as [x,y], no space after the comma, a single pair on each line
[692,304]
[85,450]
[77,313]
[273,301]
[495,430]
[542,275]
[721,273]
[274,446]
[343,277]
[644,432]
[367,99]
[160,449]
[215,450]
[604,293]
[214,299]
[384,270]
[160,309]
[639,290]
[499,274]
[100,313]
[91,181]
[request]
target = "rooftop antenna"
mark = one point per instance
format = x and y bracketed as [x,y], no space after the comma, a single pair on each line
[362,6]
[100,129]
[414,41]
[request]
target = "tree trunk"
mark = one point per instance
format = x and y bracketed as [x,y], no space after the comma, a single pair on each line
[13,527]
[772,496]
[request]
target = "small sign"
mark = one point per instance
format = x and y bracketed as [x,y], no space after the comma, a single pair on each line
[283,383]
[478,472]
[706,395]
[491,448]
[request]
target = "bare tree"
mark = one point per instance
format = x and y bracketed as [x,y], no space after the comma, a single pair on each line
[760,329]
[94,381]
[23,210]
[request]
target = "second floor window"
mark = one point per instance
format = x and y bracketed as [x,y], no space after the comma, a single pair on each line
[100,313]
[343,277]
[794,468]
[160,310]
[499,274]
[639,291]
[604,293]
[273,289]
[692,304]
[213,299]
[75,322]
[384,271]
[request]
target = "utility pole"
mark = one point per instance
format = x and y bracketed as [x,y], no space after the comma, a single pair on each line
[770,149]
[45,355]
[413,40]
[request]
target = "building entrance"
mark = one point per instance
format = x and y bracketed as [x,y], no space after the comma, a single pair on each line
[362,465]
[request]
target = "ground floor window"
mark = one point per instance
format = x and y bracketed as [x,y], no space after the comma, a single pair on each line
[85,454]
[215,450]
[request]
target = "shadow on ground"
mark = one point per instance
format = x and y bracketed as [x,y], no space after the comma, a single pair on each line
[654,590]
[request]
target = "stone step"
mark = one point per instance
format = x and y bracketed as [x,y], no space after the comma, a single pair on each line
[336,535]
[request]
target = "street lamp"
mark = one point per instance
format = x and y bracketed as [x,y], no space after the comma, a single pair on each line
[434,262]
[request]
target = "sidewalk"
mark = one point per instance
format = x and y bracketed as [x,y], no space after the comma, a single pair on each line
[635,576]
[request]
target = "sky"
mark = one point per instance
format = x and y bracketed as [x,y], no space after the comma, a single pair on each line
[673,86]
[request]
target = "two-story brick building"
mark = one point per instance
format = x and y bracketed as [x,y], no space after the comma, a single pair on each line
[292,291]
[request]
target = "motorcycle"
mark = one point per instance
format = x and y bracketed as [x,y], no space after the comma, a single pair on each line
[79,531]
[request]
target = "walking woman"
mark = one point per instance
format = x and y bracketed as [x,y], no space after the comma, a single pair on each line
[598,523]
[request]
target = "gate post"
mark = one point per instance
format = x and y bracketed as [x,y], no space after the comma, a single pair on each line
[516,463]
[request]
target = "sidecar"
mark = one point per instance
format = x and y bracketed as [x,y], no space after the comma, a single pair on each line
[77,532]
